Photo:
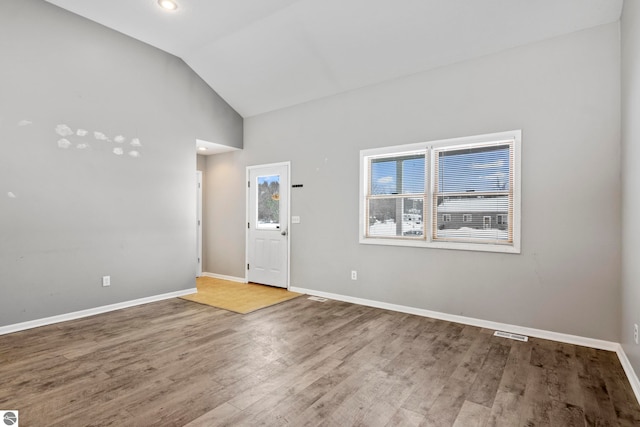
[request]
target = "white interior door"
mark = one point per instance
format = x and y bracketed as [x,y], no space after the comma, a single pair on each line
[198,223]
[268,225]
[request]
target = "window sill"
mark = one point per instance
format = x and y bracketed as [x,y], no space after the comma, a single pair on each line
[477,247]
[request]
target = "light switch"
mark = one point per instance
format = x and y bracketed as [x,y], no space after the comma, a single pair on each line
[295,219]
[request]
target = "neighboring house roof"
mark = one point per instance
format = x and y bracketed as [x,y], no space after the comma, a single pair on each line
[468,205]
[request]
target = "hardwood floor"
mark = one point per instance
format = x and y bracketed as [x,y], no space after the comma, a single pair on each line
[301,363]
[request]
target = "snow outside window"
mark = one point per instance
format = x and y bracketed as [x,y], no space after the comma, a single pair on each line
[461,193]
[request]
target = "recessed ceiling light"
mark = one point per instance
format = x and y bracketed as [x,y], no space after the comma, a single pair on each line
[168,4]
[202,148]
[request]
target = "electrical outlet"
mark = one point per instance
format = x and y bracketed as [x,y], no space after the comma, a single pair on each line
[635,332]
[354,275]
[106,280]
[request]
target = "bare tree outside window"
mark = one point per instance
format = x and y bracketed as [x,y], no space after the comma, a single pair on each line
[268,192]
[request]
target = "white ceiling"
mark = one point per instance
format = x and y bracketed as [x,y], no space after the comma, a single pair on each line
[262,55]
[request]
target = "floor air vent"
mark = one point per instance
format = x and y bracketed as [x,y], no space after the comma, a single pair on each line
[319,299]
[511,336]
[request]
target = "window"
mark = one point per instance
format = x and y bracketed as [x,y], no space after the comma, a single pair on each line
[427,194]
[395,195]
[268,199]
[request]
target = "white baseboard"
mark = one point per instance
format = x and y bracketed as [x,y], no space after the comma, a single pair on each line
[91,311]
[223,277]
[628,369]
[538,333]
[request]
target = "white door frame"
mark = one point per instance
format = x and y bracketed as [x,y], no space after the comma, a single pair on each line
[199,223]
[287,220]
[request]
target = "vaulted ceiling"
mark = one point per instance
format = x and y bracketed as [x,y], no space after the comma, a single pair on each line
[263,55]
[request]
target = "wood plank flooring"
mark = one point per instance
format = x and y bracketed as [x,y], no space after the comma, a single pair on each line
[301,363]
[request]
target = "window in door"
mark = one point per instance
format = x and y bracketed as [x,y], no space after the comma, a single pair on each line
[268,201]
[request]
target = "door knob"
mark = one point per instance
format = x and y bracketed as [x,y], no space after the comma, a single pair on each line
[283,232]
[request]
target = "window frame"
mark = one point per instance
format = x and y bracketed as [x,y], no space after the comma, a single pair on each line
[426,241]
[465,216]
[397,196]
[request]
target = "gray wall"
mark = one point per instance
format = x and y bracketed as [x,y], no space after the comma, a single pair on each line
[201,163]
[78,214]
[630,178]
[564,94]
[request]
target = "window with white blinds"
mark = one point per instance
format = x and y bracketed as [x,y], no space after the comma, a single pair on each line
[462,193]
